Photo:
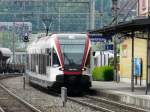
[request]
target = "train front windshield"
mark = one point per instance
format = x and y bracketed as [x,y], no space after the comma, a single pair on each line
[72,50]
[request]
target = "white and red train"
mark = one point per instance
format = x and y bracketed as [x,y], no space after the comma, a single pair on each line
[60,59]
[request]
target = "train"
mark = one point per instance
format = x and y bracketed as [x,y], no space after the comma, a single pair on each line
[5,53]
[60,60]
[16,64]
[6,61]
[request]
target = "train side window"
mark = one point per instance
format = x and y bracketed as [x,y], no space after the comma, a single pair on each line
[56,62]
[87,64]
[48,56]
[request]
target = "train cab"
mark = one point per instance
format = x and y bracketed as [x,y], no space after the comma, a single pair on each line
[60,59]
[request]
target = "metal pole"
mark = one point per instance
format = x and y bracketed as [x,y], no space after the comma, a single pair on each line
[101,58]
[115,59]
[132,61]
[89,22]
[115,9]
[147,70]
[101,14]
[14,40]
[148,44]
[88,18]
[92,14]
[38,17]
[25,44]
[47,26]
[59,20]
[23,16]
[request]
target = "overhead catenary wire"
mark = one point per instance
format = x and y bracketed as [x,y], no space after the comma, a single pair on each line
[126,4]
[130,11]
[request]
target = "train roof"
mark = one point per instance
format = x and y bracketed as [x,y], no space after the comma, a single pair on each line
[5,52]
[48,41]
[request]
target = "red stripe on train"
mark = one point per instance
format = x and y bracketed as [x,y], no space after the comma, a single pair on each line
[59,51]
[72,73]
[85,51]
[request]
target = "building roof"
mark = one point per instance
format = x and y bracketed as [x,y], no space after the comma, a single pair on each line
[133,25]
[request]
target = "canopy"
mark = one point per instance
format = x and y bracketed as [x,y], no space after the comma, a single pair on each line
[130,26]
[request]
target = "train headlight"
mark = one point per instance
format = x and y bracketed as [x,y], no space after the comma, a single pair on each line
[62,69]
[83,69]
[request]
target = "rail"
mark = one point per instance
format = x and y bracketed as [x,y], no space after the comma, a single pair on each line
[34,109]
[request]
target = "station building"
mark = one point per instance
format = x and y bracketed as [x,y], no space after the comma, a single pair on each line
[134,60]
[140,53]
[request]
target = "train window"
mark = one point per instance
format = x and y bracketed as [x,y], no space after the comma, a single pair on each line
[48,51]
[35,59]
[39,63]
[48,57]
[55,59]
[48,60]
[44,64]
[87,64]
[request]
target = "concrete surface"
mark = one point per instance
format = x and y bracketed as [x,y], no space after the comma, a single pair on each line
[122,92]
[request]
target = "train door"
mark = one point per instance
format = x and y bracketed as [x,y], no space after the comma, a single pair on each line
[55,65]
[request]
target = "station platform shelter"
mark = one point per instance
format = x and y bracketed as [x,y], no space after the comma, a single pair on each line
[133,39]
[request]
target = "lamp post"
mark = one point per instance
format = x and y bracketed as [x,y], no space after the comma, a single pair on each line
[115,12]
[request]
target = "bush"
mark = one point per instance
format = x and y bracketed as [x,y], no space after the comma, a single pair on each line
[104,73]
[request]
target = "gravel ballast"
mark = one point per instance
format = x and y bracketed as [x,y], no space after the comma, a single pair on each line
[41,100]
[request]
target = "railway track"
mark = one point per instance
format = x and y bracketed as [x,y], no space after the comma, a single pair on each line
[101,104]
[92,102]
[104,105]
[9,102]
[9,75]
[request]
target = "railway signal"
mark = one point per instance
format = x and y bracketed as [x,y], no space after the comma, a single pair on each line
[26,38]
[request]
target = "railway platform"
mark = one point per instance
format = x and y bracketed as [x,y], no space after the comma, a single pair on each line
[121,92]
